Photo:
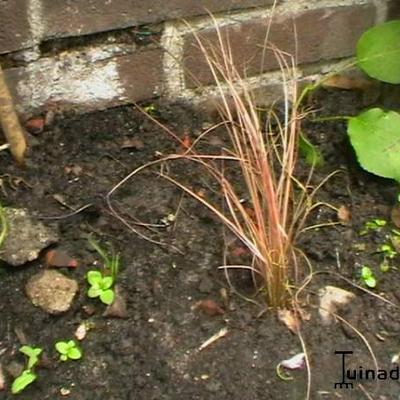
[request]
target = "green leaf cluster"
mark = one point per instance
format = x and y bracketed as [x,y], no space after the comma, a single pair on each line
[102,283]
[368,277]
[375,133]
[28,375]
[69,350]
[101,286]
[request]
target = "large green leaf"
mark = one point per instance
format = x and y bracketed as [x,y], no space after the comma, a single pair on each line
[375,136]
[378,52]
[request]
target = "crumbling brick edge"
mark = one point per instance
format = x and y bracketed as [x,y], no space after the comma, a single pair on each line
[110,74]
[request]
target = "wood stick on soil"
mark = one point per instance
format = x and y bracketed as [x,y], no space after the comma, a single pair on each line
[12,129]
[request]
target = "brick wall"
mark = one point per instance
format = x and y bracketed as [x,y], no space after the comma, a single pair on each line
[91,54]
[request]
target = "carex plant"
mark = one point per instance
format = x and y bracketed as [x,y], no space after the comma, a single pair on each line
[266,206]
[102,282]
[266,153]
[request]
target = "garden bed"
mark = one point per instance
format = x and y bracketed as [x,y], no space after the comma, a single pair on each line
[154,353]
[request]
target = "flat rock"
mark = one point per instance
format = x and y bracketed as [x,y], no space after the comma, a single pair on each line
[26,237]
[51,291]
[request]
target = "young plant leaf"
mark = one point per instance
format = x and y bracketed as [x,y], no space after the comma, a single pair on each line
[94,291]
[94,277]
[106,282]
[310,152]
[22,381]
[62,347]
[107,296]
[68,350]
[32,353]
[374,135]
[378,52]
[368,277]
[74,353]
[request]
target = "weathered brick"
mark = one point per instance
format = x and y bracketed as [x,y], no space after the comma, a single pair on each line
[141,75]
[322,34]
[77,17]
[15,32]
[85,82]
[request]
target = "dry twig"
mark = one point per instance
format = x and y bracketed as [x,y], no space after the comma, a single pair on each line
[10,124]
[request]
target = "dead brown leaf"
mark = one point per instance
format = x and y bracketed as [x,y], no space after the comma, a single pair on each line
[290,319]
[2,379]
[348,82]
[132,143]
[395,216]
[73,169]
[59,258]
[208,306]
[331,299]
[35,125]
[344,215]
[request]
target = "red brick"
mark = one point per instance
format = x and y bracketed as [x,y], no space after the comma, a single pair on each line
[139,77]
[71,18]
[141,74]
[322,34]
[14,26]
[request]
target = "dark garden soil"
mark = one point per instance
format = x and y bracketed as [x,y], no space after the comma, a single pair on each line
[153,353]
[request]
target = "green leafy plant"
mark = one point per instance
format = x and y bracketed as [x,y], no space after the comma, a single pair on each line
[368,277]
[378,52]
[150,109]
[102,283]
[374,133]
[373,225]
[310,152]
[28,375]
[22,381]
[111,259]
[388,251]
[101,286]
[69,350]
[384,266]
[32,353]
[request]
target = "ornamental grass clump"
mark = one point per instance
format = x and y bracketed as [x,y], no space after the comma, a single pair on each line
[266,153]
[266,206]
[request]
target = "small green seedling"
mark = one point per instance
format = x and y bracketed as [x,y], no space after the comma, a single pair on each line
[310,152]
[384,266]
[28,375]
[368,277]
[32,353]
[102,283]
[22,381]
[373,225]
[111,259]
[150,109]
[69,350]
[388,251]
[101,286]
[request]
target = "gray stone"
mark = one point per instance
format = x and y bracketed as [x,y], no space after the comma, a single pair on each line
[26,237]
[51,291]
[118,308]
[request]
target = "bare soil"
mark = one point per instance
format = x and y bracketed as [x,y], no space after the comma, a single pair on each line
[153,353]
